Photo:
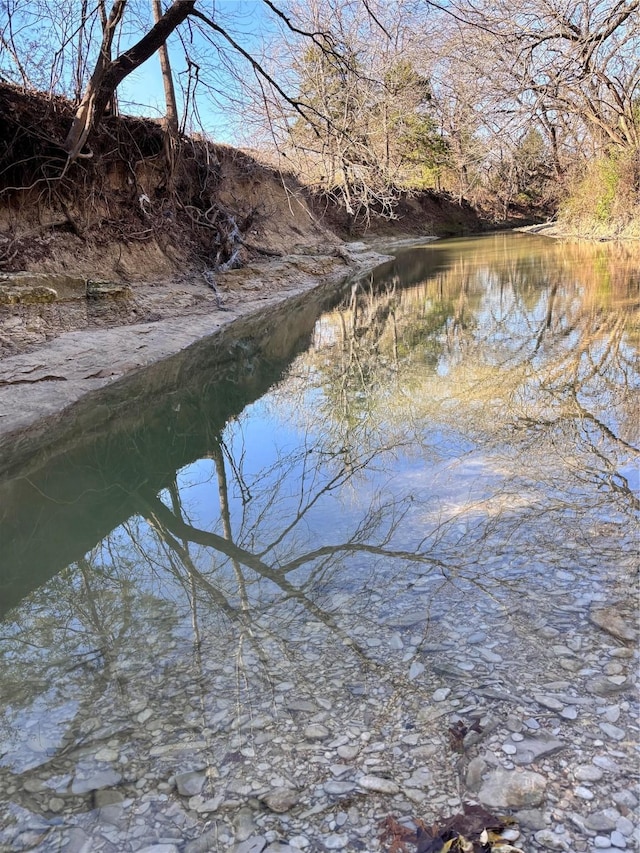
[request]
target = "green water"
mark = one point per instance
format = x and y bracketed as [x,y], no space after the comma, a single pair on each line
[450,443]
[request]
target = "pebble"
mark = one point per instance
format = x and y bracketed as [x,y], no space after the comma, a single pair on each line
[441,694]
[612,731]
[508,789]
[476,769]
[612,713]
[548,702]
[336,842]
[570,712]
[191,783]
[618,839]
[244,824]
[531,819]
[588,773]
[378,784]
[606,763]
[611,621]
[531,749]
[584,793]
[336,787]
[547,838]
[101,779]
[251,845]
[159,848]
[624,826]
[316,732]
[318,761]
[603,686]
[624,798]
[348,752]
[600,821]
[476,637]
[415,670]
[490,656]
[281,799]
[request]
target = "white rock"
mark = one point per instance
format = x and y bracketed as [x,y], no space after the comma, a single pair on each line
[348,752]
[316,731]
[588,773]
[618,839]
[441,694]
[335,841]
[378,784]
[506,789]
[546,838]
[583,793]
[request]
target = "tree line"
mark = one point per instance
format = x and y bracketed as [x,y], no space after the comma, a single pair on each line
[364,99]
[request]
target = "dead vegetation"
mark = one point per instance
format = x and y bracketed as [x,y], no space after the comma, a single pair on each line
[143,206]
[136,207]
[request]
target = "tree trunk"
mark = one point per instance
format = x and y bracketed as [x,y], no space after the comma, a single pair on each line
[108,74]
[171,117]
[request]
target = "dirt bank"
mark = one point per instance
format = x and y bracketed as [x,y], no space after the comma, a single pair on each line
[136,252]
[45,380]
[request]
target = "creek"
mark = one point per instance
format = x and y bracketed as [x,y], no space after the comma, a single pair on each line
[340,561]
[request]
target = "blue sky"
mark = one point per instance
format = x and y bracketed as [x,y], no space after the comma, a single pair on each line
[142,92]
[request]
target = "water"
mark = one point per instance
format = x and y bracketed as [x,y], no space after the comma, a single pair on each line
[427,481]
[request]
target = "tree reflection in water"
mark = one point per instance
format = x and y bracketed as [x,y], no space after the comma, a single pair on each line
[460,435]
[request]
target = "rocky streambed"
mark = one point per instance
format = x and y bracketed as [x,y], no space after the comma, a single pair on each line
[456,628]
[294,733]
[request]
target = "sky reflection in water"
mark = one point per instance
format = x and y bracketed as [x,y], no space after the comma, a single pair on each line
[460,438]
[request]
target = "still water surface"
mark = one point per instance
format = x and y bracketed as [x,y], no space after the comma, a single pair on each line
[430,484]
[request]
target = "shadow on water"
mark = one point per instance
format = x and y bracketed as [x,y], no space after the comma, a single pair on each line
[79,483]
[320,509]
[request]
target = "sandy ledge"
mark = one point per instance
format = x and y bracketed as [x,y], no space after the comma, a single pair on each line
[49,378]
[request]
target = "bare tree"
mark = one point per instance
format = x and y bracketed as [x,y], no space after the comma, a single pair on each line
[171,117]
[368,132]
[557,59]
[109,73]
